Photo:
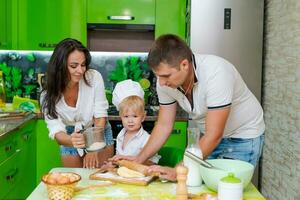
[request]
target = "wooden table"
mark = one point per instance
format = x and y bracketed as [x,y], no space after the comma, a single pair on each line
[155,190]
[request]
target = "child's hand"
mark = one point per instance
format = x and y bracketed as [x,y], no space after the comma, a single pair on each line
[77,139]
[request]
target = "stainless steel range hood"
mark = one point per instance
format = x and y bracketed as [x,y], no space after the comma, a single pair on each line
[120,37]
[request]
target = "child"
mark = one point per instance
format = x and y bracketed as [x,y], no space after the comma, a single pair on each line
[128,97]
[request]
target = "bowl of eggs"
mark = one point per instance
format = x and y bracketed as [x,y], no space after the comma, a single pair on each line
[61,186]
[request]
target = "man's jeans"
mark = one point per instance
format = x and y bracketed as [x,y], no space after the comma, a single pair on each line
[248,150]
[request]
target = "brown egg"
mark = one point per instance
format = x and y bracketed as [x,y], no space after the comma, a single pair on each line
[63,180]
[51,180]
[73,178]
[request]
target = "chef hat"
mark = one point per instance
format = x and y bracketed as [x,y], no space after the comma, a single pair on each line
[125,89]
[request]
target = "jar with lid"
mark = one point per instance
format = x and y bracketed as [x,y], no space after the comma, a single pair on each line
[230,188]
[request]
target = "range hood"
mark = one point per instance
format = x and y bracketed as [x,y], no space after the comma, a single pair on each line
[120,37]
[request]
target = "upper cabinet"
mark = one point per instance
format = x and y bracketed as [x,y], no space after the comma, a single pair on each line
[42,24]
[6,24]
[121,11]
[170,17]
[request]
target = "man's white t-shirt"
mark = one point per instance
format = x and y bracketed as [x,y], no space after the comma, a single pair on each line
[91,103]
[135,145]
[219,85]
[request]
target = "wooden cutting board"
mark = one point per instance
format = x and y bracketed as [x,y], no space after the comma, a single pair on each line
[111,176]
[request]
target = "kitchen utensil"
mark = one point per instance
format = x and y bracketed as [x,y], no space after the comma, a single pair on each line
[110,176]
[211,176]
[136,167]
[200,161]
[94,138]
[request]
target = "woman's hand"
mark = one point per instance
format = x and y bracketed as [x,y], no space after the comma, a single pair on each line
[90,160]
[167,173]
[77,139]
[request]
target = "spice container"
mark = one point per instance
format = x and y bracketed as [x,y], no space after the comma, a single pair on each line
[230,188]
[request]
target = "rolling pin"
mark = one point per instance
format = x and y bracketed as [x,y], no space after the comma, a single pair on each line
[136,167]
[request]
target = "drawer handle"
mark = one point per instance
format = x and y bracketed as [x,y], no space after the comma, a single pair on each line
[47,45]
[123,17]
[26,137]
[8,148]
[12,175]
[176,131]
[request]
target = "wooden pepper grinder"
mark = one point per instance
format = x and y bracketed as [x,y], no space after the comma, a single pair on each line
[181,189]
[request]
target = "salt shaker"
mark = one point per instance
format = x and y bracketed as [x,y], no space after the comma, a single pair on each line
[230,188]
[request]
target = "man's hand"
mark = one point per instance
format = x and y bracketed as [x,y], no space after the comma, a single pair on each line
[77,139]
[167,173]
[90,160]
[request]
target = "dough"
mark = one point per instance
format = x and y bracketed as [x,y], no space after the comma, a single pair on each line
[128,173]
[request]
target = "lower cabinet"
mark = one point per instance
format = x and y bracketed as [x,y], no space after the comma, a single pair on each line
[18,169]
[9,175]
[47,151]
[178,137]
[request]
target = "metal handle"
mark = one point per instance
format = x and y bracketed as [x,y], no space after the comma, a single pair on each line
[123,17]
[11,176]
[199,160]
[8,148]
[47,45]
[26,136]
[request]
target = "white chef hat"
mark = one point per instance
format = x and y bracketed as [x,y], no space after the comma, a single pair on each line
[125,89]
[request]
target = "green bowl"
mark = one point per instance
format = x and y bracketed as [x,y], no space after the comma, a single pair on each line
[241,169]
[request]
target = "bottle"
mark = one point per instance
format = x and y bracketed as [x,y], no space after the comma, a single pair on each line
[230,188]
[194,176]
[2,91]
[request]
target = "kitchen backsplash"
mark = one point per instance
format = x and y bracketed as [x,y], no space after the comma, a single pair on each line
[23,72]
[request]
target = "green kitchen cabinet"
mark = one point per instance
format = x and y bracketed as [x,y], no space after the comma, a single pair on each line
[6,23]
[27,142]
[121,11]
[47,151]
[178,137]
[18,167]
[9,177]
[170,18]
[42,24]
[3,24]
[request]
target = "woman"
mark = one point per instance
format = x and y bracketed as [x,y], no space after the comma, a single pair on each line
[74,98]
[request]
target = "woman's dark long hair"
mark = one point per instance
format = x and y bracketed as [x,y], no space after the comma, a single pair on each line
[57,74]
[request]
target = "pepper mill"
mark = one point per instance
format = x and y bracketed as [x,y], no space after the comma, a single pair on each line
[181,189]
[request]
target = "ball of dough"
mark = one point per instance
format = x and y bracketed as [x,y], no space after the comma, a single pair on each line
[128,173]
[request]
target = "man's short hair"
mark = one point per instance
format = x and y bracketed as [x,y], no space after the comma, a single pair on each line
[169,49]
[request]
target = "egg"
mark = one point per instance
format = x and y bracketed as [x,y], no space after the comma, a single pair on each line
[51,181]
[63,180]
[73,178]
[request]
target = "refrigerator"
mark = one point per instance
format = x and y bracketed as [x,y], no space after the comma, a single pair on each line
[232,29]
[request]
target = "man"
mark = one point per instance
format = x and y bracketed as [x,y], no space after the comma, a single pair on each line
[212,91]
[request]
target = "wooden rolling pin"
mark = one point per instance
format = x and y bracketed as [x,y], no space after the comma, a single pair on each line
[136,167]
